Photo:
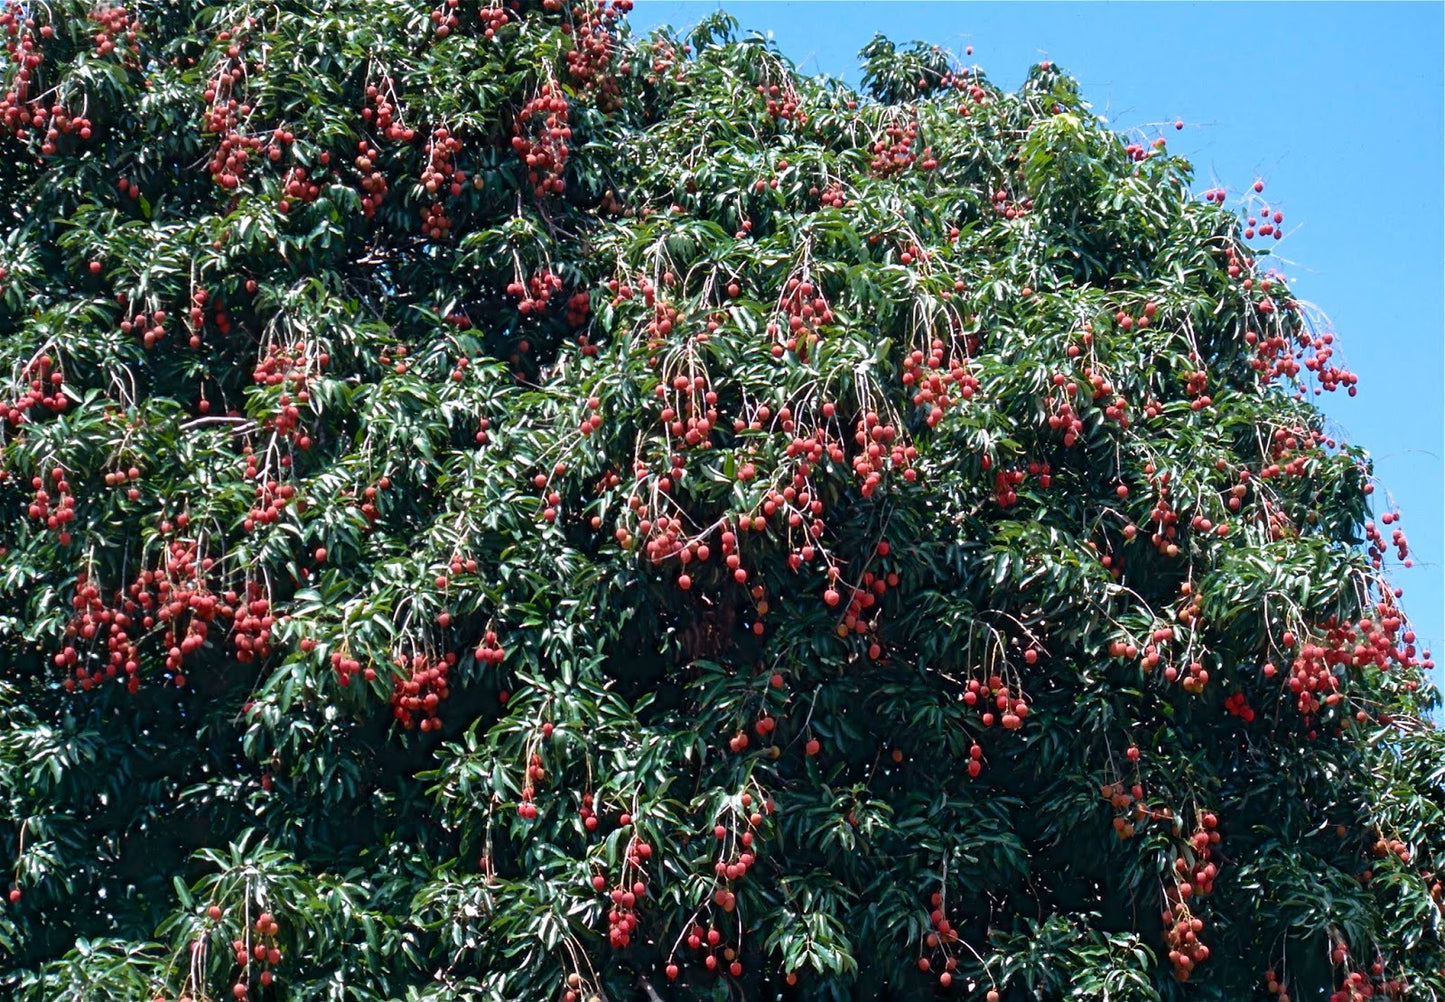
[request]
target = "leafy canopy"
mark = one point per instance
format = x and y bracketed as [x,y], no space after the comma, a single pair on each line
[498,508]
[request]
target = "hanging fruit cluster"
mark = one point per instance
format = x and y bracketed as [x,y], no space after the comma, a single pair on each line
[1011,208]
[494,18]
[272,497]
[783,103]
[44,390]
[103,640]
[1186,949]
[290,367]
[424,684]
[1238,705]
[938,383]
[227,111]
[880,451]
[25,114]
[58,515]
[535,294]
[1130,806]
[997,702]
[735,832]
[299,188]
[1267,224]
[258,952]
[540,138]
[1005,487]
[574,987]
[373,182]
[861,616]
[893,153]
[151,325]
[805,310]
[445,19]
[1192,877]
[187,606]
[116,24]
[95,621]
[939,945]
[594,46]
[627,894]
[381,113]
[439,179]
[345,666]
[196,317]
[833,196]
[252,623]
[717,954]
[22,45]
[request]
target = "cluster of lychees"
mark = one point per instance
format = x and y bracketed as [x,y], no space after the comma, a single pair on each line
[541,135]
[594,40]
[1193,876]
[415,697]
[116,24]
[227,110]
[23,114]
[45,389]
[893,153]
[938,381]
[55,511]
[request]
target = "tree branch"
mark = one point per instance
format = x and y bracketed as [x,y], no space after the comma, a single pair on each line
[646,986]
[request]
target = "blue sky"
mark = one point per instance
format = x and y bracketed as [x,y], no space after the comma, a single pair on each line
[1338,107]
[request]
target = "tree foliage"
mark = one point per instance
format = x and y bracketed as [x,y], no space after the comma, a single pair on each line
[499,508]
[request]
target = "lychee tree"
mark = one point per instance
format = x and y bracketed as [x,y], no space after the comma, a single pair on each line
[499,508]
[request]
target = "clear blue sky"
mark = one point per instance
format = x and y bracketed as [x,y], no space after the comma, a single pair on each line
[1338,107]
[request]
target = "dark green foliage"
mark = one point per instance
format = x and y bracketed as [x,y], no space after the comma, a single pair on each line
[342,575]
